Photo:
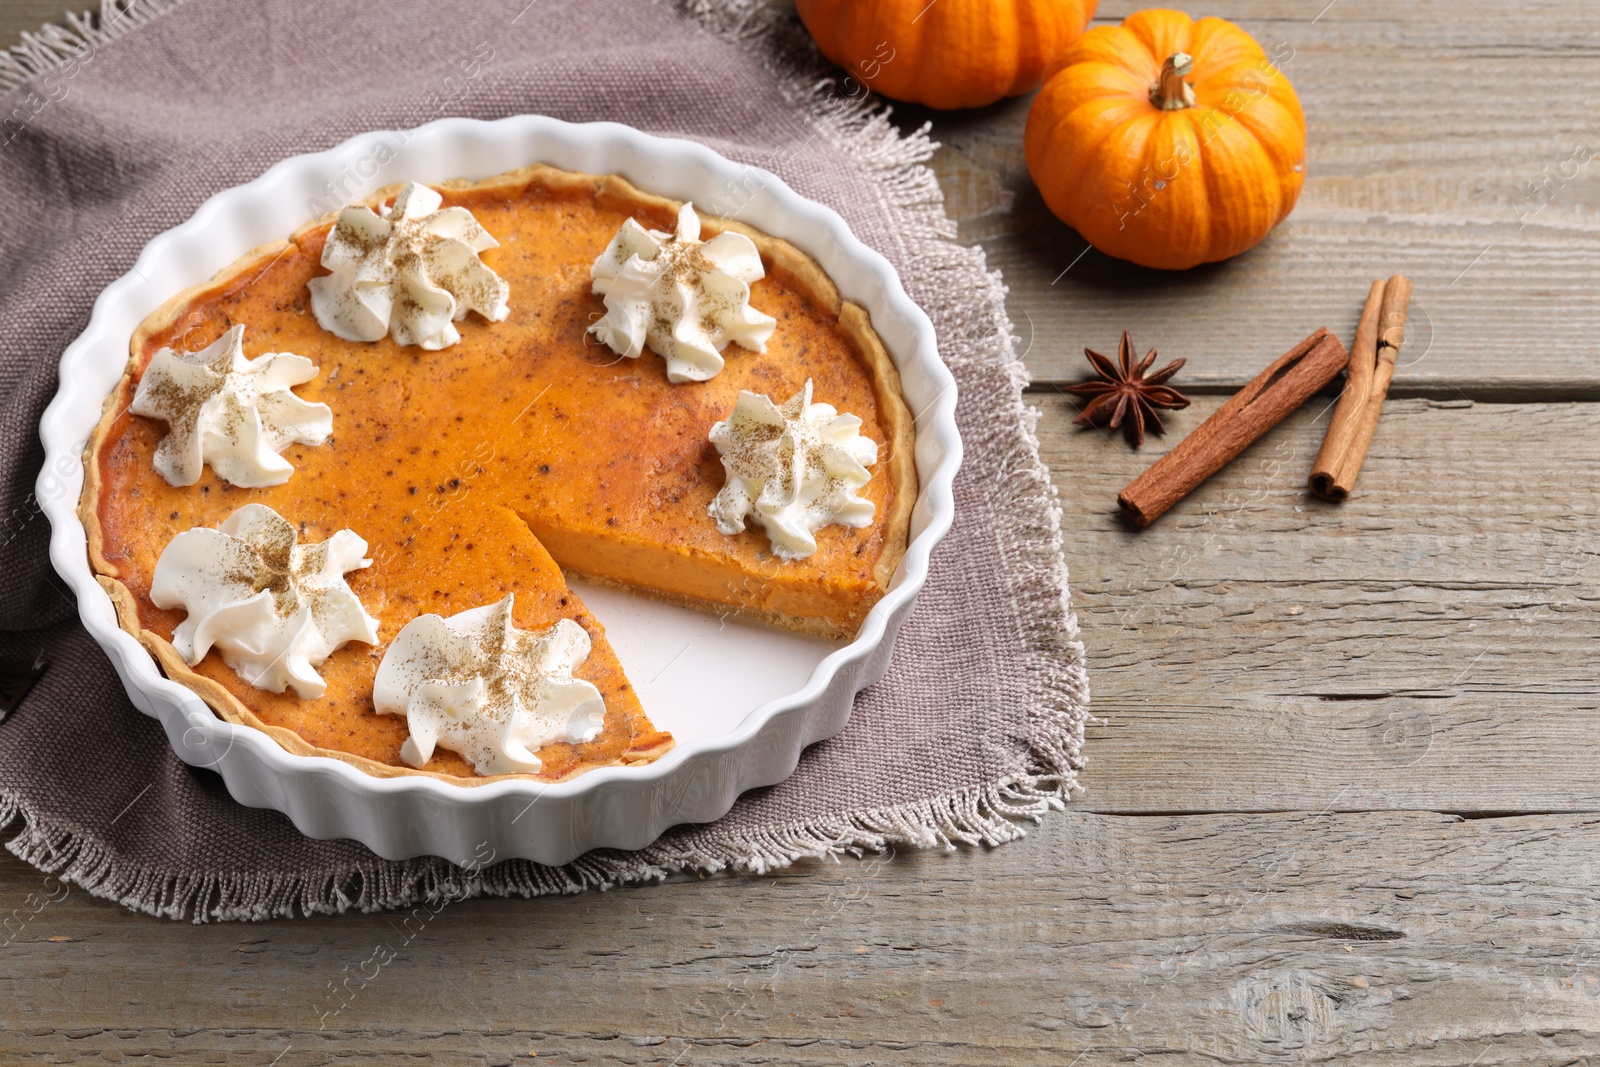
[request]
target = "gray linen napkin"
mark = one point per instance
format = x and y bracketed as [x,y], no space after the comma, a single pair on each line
[980,719]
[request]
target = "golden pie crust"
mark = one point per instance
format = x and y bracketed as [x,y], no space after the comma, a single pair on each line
[603,469]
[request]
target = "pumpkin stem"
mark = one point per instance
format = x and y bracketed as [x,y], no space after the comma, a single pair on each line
[1172,93]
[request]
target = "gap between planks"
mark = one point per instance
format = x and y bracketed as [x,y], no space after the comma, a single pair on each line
[1428,644]
[1398,938]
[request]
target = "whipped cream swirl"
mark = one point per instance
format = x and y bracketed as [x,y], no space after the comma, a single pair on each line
[234,413]
[685,298]
[794,469]
[413,272]
[479,686]
[274,608]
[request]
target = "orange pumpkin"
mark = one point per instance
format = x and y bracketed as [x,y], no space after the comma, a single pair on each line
[1168,142]
[946,53]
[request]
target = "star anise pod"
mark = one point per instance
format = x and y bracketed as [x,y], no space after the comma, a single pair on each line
[1126,394]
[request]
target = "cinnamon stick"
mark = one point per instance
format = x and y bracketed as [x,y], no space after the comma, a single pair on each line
[1269,398]
[1372,359]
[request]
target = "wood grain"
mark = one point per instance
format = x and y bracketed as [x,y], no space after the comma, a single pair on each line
[1390,938]
[24,16]
[1430,125]
[1426,644]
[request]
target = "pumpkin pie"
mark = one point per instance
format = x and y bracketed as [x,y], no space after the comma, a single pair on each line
[482,457]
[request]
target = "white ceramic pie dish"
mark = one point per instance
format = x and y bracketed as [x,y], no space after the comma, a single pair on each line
[748,735]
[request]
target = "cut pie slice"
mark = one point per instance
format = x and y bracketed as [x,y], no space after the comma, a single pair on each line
[468,572]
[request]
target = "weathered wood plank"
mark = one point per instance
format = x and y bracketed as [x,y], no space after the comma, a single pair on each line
[24,16]
[1409,938]
[1446,142]
[1427,644]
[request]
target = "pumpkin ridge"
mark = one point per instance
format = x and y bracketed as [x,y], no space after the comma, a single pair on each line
[1130,53]
[1096,45]
[1259,125]
[1241,143]
[1085,150]
[1126,204]
[1058,157]
[947,53]
[1169,128]
[1023,16]
[1109,78]
[1208,174]
[1223,44]
[917,31]
[1063,49]
[953,22]
[1162,31]
[1047,123]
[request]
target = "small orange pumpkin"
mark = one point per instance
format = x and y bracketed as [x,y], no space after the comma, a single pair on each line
[946,53]
[1168,142]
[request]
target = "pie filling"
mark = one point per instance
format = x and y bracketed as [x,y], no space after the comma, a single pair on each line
[483,468]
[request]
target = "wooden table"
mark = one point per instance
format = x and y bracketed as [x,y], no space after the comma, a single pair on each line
[1343,806]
